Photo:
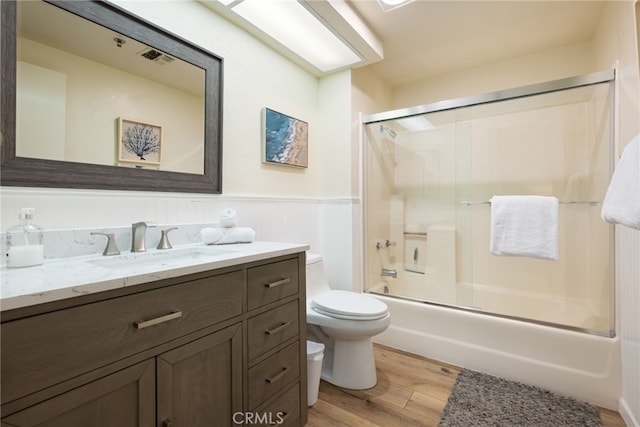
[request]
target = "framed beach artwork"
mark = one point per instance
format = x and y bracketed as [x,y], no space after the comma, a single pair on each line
[285,139]
[139,143]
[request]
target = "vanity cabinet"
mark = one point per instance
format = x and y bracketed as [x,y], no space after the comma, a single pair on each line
[223,347]
[200,383]
[125,398]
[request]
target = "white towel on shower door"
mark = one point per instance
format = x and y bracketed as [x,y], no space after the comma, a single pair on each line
[622,201]
[524,226]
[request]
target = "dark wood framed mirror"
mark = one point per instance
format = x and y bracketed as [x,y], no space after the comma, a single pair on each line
[33,171]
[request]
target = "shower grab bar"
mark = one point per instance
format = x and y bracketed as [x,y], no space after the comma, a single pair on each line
[571,202]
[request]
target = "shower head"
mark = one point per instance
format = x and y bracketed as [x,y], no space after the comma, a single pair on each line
[388,131]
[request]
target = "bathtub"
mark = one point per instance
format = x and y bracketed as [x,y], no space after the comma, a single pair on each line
[550,310]
[572,363]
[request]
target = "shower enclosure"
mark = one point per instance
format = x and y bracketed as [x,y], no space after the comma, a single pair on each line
[430,172]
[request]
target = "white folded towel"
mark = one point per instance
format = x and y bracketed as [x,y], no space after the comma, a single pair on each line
[223,236]
[228,218]
[622,202]
[524,226]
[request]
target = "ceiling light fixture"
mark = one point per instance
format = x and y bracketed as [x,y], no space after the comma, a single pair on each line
[321,33]
[388,5]
[289,23]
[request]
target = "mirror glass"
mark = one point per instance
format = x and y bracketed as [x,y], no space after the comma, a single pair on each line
[88,94]
[95,97]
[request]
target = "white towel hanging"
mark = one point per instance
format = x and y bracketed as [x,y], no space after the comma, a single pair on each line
[622,201]
[524,226]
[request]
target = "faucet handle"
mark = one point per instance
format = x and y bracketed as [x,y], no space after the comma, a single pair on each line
[389,272]
[164,239]
[112,247]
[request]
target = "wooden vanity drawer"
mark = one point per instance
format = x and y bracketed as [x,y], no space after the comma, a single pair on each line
[273,374]
[272,328]
[284,411]
[271,282]
[43,350]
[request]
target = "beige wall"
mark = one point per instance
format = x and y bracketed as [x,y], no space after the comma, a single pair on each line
[335,154]
[617,42]
[539,67]
[369,95]
[91,111]
[255,76]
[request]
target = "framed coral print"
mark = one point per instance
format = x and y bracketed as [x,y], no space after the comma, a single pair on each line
[139,142]
[285,139]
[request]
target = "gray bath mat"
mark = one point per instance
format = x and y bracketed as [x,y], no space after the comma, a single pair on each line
[480,400]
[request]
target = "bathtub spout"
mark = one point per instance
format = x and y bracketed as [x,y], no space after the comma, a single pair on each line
[389,272]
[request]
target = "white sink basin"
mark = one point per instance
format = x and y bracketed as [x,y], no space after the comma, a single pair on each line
[160,257]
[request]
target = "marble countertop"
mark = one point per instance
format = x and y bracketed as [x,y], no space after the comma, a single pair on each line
[63,278]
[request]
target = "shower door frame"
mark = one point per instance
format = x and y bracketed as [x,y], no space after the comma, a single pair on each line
[605,76]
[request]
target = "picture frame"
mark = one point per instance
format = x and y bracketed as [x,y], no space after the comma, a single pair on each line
[139,143]
[285,139]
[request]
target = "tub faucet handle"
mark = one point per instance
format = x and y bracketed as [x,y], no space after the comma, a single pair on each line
[386,244]
[389,272]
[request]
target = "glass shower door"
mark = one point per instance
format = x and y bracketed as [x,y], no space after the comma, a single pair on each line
[429,179]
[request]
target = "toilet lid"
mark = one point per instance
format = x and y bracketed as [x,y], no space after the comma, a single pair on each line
[349,305]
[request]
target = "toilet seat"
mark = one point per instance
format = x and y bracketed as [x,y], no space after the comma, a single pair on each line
[349,305]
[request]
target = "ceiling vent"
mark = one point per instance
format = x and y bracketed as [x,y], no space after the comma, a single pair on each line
[156,56]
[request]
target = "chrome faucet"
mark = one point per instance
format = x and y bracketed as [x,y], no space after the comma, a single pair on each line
[389,272]
[386,244]
[138,235]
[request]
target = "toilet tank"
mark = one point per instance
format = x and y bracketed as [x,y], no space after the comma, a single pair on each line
[316,280]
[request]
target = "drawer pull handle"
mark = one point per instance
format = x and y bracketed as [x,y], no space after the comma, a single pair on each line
[277,283]
[167,423]
[278,376]
[158,320]
[277,329]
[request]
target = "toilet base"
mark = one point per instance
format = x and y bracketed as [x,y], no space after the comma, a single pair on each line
[352,365]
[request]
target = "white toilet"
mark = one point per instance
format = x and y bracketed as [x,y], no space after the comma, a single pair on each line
[344,322]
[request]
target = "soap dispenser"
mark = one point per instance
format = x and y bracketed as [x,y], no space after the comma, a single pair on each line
[25,242]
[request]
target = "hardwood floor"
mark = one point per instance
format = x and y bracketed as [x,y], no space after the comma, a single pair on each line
[411,391]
